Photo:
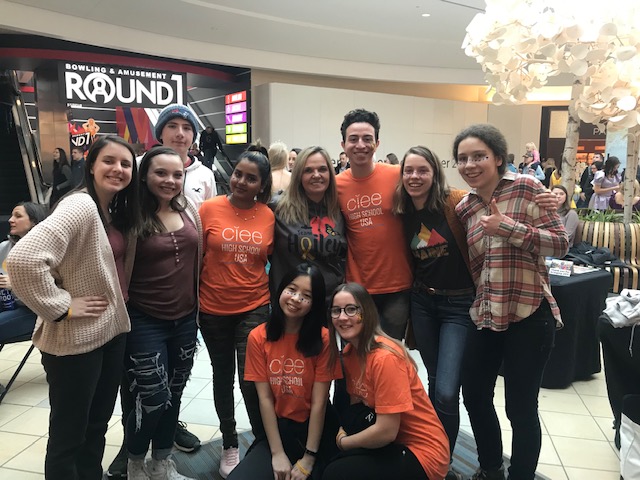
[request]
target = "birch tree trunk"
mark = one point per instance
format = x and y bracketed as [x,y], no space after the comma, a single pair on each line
[630,172]
[571,143]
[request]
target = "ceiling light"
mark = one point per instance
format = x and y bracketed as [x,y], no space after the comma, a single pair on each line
[426,15]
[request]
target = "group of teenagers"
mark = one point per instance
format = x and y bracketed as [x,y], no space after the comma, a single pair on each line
[124,271]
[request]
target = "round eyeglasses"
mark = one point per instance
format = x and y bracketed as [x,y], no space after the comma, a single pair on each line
[350,311]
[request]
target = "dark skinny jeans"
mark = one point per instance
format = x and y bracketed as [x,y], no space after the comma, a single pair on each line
[523,349]
[226,339]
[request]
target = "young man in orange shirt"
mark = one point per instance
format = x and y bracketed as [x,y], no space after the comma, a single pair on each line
[376,256]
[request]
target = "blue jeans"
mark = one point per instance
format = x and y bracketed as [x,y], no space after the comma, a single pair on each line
[523,350]
[441,325]
[17,323]
[158,362]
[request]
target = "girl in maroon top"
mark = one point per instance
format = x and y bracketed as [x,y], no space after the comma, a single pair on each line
[162,307]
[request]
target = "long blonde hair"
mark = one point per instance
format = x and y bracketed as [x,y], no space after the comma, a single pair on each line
[278,155]
[293,207]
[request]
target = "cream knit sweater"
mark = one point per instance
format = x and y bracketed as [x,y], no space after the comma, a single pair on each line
[65,256]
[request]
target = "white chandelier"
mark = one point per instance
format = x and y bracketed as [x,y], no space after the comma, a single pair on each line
[521,43]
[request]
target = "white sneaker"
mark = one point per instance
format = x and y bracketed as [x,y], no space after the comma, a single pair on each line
[136,470]
[164,470]
[230,460]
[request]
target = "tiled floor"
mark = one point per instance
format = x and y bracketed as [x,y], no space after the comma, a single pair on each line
[577,434]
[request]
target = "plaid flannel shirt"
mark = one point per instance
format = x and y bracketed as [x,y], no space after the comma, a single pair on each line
[508,268]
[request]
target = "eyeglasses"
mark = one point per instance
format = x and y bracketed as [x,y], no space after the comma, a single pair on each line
[475,158]
[302,297]
[350,311]
[420,173]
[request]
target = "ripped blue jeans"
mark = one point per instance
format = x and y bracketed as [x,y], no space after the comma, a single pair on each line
[158,361]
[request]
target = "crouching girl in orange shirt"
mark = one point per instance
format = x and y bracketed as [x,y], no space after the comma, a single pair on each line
[288,359]
[402,435]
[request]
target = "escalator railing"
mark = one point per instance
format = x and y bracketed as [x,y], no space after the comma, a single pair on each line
[30,154]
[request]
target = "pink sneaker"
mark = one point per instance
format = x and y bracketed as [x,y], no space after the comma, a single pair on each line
[230,460]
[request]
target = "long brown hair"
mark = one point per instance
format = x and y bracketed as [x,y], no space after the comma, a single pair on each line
[370,328]
[437,198]
[151,223]
[566,206]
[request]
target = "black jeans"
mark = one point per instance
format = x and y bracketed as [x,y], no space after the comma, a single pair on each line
[394,312]
[523,350]
[393,461]
[82,394]
[226,338]
[257,465]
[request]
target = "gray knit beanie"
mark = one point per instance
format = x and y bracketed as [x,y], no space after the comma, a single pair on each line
[173,111]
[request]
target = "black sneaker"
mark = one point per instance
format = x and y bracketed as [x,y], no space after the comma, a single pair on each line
[453,475]
[118,468]
[488,474]
[184,440]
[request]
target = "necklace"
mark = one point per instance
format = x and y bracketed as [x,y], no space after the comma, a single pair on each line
[246,219]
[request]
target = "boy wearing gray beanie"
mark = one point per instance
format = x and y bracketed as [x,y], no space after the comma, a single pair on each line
[177,128]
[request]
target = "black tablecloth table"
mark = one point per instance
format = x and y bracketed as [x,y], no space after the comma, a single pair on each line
[576,354]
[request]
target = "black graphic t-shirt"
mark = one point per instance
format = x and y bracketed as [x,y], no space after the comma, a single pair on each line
[437,260]
[321,242]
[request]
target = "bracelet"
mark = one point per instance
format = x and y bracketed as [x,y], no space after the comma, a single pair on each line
[303,470]
[63,316]
[310,452]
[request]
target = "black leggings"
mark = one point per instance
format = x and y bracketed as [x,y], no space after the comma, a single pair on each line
[391,461]
[257,465]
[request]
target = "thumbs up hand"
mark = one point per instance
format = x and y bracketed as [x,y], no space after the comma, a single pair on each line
[491,223]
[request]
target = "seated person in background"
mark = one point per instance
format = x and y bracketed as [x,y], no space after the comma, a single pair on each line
[568,216]
[555,179]
[617,201]
[24,217]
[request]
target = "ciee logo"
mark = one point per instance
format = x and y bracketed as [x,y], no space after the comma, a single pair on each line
[364,201]
[287,366]
[235,234]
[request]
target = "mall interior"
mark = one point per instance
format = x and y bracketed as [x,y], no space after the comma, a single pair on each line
[276,71]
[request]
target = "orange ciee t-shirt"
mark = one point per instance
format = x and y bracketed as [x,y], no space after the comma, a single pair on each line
[376,255]
[390,384]
[236,246]
[289,373]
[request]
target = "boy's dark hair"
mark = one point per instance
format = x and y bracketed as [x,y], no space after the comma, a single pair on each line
[360,115]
